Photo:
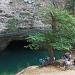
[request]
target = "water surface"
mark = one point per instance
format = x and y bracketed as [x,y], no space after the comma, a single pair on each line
[15,57]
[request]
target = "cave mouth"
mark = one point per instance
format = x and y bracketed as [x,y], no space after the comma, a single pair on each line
[17,45]
[15,57]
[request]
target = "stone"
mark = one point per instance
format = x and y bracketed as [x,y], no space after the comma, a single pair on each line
[25,13]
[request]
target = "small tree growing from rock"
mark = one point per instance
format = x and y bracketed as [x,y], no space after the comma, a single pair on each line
[61,34]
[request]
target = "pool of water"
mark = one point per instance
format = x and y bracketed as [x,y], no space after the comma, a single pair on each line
[16,57]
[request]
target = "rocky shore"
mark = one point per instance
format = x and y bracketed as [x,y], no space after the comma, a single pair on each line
[50,70]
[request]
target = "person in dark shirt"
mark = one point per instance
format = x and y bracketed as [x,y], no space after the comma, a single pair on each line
[67,56]
[74,62]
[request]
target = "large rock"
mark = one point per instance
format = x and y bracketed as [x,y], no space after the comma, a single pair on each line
[24,11]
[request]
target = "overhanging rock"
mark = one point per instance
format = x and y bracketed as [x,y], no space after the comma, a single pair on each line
[3,43]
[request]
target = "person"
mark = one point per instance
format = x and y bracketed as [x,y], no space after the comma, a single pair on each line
[51,60]
[74,62]
[67,56]
[67,64]
[42,61]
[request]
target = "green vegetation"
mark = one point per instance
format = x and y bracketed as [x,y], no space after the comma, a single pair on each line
[61,35]
[11,25]
[71,6]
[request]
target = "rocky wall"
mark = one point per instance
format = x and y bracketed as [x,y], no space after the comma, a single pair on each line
[24,11]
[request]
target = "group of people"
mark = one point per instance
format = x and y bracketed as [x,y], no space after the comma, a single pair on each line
[67,60]
[47,61]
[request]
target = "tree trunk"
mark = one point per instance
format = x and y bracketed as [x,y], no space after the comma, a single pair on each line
[73,5]
[51,55]
[50,51]
[54,31]
[54,23]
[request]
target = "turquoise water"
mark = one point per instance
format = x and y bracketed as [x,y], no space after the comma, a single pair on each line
[16,57]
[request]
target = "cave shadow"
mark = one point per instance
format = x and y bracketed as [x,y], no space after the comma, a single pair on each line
[13,57]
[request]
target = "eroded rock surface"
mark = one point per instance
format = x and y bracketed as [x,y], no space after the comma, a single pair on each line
[24,11]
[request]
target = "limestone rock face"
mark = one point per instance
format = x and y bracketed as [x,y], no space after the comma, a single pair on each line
[24,11]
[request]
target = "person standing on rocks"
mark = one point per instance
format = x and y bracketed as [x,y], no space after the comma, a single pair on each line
[67,56]
[67,59]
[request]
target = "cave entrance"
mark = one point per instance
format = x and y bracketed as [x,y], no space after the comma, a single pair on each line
[15,57]
[17,44]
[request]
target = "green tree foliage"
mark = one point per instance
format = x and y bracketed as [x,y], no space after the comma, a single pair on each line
[35,40]
[11,25]
[71,6]
[61,35]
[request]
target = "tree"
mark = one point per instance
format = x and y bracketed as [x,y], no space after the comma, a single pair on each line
[61,34]
[70,6]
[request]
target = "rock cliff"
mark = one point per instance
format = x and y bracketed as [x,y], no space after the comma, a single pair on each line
[24,11]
